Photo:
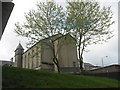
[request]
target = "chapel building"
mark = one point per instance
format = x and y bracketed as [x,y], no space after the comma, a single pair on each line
[40,55]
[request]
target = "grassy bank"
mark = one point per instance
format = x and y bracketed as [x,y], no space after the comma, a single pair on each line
[17,77]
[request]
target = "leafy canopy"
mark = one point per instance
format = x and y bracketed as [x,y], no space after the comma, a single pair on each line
[47,20]
[89,21]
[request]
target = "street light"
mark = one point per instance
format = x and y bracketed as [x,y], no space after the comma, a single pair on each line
[102,61]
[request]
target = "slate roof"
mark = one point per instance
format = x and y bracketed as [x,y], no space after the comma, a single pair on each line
[88,64]
[19,47]
[54,37]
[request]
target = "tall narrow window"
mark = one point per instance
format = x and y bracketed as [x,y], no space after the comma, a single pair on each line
[33,58]
[25,62]
[28,60]
[36,62]
[32,64]
[37,56]
[74,64]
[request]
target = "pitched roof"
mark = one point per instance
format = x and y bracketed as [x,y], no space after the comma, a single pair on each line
[54,38]
[19,47]
[88,64]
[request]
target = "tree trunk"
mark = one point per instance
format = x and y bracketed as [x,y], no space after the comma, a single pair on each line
[55,60]
[80,55]
[80,59]
[58,68]
[81,64]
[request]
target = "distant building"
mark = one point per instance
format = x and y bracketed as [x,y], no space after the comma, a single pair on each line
[40,55]
[8,63]
[107,69]
[88,66]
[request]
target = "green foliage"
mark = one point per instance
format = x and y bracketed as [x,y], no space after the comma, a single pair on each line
[45,21]
[88,24]
[25,78]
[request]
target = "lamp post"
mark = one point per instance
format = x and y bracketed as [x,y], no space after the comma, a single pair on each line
[102,61]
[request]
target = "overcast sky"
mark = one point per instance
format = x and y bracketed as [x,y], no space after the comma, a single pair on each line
[10,40]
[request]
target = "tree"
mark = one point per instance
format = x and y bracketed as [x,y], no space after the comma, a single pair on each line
[89,24]
[44,22]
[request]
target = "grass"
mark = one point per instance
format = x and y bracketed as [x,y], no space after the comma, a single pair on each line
[18,77]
